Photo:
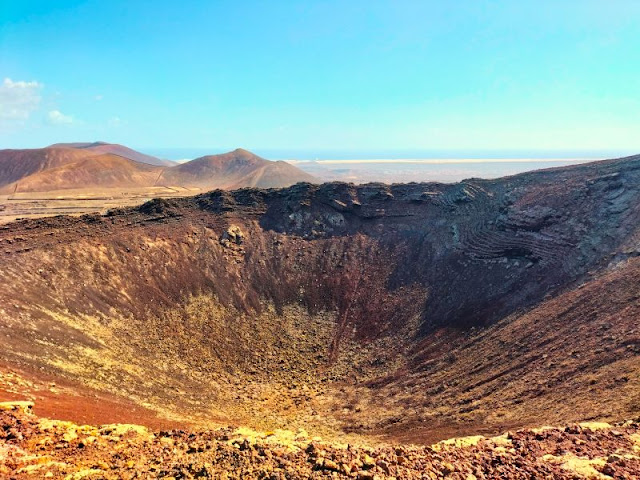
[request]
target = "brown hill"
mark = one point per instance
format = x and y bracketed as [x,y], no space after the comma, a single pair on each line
[58,168]
[116,149]
[95,171]
[417,311]
[17,164]
[239,168]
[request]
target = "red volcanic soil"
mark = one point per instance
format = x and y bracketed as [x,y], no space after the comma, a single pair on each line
[61,399]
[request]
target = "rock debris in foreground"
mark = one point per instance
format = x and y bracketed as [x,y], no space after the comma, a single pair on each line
[34,447]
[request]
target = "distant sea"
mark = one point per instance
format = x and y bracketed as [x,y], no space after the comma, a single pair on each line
[409,165]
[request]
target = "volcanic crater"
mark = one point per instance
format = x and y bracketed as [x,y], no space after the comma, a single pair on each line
[408,312]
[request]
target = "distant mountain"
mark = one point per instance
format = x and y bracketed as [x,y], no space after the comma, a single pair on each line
[18,164]
[116,149]
[96,171]
[75,166]
[236,169]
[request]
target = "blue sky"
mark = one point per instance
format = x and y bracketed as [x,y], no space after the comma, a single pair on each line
[338,75]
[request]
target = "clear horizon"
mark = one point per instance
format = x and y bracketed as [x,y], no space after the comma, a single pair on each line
[327,154]
[308,76]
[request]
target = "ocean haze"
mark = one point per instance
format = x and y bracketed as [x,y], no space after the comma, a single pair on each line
[409,165]
[182,153]
[425,170]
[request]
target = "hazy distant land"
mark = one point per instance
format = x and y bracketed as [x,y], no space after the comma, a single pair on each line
[427,169]
[394,166]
